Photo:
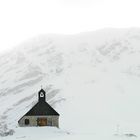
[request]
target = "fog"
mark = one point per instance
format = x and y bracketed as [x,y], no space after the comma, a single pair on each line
[20,20]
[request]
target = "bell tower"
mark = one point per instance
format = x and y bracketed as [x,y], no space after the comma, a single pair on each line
[41,96]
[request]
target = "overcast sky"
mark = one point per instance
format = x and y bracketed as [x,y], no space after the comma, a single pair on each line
[23,19]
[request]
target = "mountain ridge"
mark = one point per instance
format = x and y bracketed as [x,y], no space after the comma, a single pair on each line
[99,70]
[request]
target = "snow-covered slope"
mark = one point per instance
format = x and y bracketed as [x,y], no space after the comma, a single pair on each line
[92,79]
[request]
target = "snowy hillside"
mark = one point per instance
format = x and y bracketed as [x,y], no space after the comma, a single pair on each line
[92,79]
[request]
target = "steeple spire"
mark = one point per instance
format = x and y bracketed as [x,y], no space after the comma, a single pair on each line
[41,95]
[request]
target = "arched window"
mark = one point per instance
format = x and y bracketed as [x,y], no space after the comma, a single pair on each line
[41,94]
[26,121]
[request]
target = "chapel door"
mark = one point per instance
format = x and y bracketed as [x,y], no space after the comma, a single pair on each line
[42,122]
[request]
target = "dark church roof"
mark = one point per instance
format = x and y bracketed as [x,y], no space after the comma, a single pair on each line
[40,109]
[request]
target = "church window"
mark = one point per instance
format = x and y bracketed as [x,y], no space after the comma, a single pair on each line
[26,121]
[41,94]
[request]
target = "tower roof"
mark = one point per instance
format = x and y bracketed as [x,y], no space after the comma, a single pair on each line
[42,90]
